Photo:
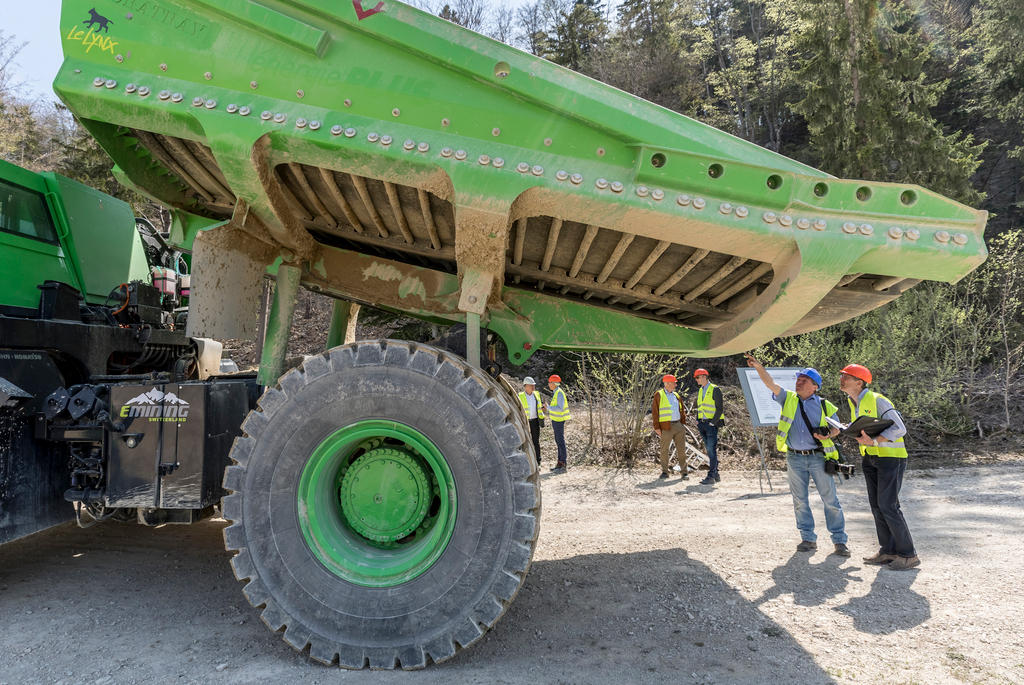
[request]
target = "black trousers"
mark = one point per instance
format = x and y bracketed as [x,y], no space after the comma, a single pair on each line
[535,435]
[884,478]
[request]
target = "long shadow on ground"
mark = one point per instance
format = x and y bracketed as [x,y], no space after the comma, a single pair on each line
[123,603]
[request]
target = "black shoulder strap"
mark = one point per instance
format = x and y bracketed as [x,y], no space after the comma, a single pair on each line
[807,422]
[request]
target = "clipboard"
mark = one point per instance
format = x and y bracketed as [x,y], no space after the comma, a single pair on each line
[869,424]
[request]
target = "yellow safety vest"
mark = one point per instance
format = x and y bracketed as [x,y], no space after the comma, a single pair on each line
[869,407]
[706,407]
[559,414]
[789,410]
[526,406]
[665,407]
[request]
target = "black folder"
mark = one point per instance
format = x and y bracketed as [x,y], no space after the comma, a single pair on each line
[869,425]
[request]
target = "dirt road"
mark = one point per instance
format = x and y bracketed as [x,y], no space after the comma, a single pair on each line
[635,580]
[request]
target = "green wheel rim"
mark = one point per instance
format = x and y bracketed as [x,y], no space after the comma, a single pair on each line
[376,503]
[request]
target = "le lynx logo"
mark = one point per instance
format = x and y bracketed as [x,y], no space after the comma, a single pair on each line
[155,405]
[90,36]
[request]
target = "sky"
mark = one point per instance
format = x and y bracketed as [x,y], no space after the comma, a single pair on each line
[36,23]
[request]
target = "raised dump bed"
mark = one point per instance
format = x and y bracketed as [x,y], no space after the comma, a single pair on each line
[389,157]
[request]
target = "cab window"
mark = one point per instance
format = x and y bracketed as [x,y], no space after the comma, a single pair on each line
[24,212]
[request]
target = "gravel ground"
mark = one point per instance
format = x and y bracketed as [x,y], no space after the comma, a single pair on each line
[634,580]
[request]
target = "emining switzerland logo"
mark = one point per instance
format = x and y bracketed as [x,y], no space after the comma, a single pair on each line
[155,405]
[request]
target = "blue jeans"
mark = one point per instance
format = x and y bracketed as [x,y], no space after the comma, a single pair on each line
[800,468]
[559,429]
[709,432]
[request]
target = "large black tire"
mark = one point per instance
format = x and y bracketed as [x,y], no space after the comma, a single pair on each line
[482,436]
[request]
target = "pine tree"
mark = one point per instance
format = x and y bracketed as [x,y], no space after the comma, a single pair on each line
[867,100]
[580,30]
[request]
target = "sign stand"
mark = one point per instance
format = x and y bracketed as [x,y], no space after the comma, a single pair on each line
[762,407]
[763,471]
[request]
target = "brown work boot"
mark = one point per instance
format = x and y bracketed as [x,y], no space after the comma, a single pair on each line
[904,563]
[841,550]
[806,546]
[880,558]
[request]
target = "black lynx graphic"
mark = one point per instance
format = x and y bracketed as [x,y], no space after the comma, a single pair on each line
[97,18]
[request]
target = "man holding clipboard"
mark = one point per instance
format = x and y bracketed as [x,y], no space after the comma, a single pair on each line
[884,462]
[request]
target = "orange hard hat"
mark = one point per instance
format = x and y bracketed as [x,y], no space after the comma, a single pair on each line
[554,378]
[857,371]
[701,372]
[668,378]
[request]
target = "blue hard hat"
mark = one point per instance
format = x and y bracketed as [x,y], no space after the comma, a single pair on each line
[812,374]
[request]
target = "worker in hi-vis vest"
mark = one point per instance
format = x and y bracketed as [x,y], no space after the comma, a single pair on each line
[533,405]
[710,417]
[884,460]
[805,438]
[558,412]
[669,417]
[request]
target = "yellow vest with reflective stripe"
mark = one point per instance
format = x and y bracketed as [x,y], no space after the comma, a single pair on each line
[789,410]
[869,407]
[559,414]
[706,408]
[526,406]
[665,407]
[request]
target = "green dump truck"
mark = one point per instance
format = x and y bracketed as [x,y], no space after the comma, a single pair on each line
[383,497]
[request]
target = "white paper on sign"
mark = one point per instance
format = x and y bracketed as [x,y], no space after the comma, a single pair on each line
[762,407]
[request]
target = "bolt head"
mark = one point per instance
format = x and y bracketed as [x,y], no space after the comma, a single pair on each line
[576,179]
[562,174]
[300,123]
[336,130]
[498,162]
[643,191]
[942,236]
[207,76]
[119,58]
[396,112]
[741,212]
[658,194]
[111,83]
[347,102]
[372,137]
[130,88]
[445,121]
[483,160]
[460,155]
[601,183]
[472,299]
[866,229]
[99,81]
[895,232]
[522,167]
[960,238]
[314,125]
[699,203]
[244,110]
[164,94]
[616,186]
[231,108]
[163,67]
[280,117]
[423,147]
[537,170]
[143,91]
[446,152]
[495,131]
[725,208]
[300,93]
[131,442]
[350,132]
[409,144]
[912,234]
[266,116]
[385,140]
[769,217]
[820,224]
[177,97]
[803,224]
[682,200]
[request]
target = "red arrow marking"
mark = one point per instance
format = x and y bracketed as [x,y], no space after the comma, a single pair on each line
[363,14]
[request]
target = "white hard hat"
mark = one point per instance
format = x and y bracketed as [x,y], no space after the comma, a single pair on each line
[529,381]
